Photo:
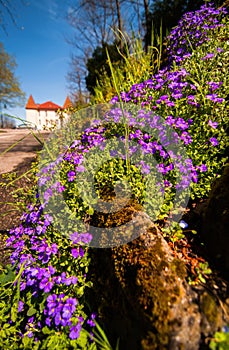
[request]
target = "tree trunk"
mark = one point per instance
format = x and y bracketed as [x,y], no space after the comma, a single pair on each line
[148,25]
[119,21]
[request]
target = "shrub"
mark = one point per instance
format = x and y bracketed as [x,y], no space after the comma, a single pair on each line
[135,65]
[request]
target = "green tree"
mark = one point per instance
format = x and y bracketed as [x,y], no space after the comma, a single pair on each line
[168,12]
[10,91]
[98,64]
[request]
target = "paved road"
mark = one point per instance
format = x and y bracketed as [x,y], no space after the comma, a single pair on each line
[25,146]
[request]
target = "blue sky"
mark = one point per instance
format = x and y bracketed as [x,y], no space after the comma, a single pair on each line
[38,43]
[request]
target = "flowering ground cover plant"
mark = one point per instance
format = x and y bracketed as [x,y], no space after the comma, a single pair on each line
[170,134]
[134,150]
[194,88]
[42,294]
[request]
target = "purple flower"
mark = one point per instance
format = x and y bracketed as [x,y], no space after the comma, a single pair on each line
[215,98]
[71,304]
[51,301]
[181,124]
[22,286]
[145,167]
[202,168]
[46,285]
[48,321]
[167,183]
[48,219]
[30,334]
[20,306]
[213,124]
[161,168]
[192,101]
[66,312]
[214,141]
[48,194]
[208,56]
[91,323]
[71,280]
[186,138]
[71,176]
[218,49]
[77,237]
[164,98]
[194,177]
[183,224]
[57,186]
[75,331]
[80,168]
[213,85]
[77,252]
[57,319]
[170,103]
[177,95]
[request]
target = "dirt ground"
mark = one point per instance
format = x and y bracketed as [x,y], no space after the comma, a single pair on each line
[18,149]
[18,145]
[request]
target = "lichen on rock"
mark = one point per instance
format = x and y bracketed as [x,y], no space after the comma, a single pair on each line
[151,304]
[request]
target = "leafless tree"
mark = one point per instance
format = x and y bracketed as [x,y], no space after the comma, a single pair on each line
[75,77]
[8,12]
[99,22]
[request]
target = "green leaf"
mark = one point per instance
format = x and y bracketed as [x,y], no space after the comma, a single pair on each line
[7,277]
[26,341]
[31,311]
[46,330]
[90,211]
[14,311]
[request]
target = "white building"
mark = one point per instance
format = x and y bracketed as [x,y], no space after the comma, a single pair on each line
[44,115]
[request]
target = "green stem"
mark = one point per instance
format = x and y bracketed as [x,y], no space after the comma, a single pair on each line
[125,120]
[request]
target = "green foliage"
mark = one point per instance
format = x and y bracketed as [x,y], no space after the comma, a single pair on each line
[97,64]
[220,341]
[134,66]
[200,72]
[10,92]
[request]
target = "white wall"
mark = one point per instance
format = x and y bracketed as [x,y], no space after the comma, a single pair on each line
[31,116]
[42,119]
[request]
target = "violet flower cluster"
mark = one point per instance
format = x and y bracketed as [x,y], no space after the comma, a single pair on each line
[33,251]
[193,30]
[172,92]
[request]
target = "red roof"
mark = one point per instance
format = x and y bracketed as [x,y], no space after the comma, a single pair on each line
[31,104]
[49,105]
[67,103]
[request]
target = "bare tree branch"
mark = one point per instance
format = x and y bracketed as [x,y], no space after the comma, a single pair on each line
[102,22]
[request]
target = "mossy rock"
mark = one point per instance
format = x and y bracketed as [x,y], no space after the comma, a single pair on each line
[160,291]
[142,296]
